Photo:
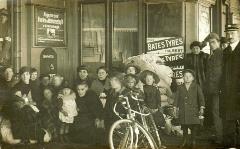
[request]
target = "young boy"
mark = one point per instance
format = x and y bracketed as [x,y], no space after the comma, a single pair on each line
[190,101]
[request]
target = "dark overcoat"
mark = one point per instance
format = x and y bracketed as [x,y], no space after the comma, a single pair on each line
[214,71]
[189,103]
[230,84]
[198,63]
[82,130]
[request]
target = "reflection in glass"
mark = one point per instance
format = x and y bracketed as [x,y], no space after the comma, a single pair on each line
[125,31]
[93,35]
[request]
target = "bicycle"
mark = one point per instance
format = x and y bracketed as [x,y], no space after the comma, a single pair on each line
[128,133]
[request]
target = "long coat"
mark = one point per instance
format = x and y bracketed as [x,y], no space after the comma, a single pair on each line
[82,130]
[214,71]
[24,120]
[198,63]
[230,84]
[189,103]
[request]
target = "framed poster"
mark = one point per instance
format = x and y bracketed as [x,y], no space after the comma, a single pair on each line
[50,27]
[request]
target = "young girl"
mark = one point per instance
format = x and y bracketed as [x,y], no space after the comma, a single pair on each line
[190,101]
[130,82]
[67,112]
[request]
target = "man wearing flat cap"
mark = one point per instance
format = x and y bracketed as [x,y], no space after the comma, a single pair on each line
[213,79]
[230,88]
[5,39]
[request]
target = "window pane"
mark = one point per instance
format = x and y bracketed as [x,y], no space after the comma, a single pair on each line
[164,20]
[93,35]
[125,34]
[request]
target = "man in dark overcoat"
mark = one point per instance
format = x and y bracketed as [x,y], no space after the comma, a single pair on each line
[213,78]
[230,88]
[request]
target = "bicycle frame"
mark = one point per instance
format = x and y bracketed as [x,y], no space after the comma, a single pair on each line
[131,116]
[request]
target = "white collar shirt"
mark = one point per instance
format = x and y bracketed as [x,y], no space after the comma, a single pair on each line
[234,45]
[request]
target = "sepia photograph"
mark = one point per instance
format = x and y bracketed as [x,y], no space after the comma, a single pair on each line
[119,74]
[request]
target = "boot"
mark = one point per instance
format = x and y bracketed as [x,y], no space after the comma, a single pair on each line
[185,138]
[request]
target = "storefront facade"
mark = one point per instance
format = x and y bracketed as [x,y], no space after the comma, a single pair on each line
[107,32]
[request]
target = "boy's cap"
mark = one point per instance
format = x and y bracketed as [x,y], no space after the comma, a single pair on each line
[189,71]
[24,69]
[82,67]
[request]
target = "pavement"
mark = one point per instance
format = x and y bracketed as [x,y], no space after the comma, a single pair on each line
[204,141]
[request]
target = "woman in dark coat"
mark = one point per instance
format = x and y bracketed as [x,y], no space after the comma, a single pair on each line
[24,113]
[102,83]
[190,101]
[89,110]
[6,83]
[197,61]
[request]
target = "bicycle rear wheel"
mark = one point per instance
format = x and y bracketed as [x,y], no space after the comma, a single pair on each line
[127,134]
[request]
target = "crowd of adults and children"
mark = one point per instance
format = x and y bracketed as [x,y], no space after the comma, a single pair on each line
[83,112]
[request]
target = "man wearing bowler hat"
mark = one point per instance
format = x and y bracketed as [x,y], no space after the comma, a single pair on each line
[230,88]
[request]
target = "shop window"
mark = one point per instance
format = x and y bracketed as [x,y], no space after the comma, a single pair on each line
[93,35]
[204,25]
[125,31]
[164,20]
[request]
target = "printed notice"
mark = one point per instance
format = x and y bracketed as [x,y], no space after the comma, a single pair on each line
[170,50]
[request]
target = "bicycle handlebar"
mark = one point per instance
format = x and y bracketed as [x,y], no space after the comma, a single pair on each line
[128,107]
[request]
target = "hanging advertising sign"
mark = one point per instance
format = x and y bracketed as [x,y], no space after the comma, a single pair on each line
[50,27]
[170,50]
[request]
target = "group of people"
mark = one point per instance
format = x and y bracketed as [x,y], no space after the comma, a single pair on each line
[83,111]
[218,74]
[79,113]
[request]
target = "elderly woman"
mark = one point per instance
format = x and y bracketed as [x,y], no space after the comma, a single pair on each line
[197,61]
[24,112]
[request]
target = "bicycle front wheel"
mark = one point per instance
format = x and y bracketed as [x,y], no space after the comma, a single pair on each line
[128,134]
